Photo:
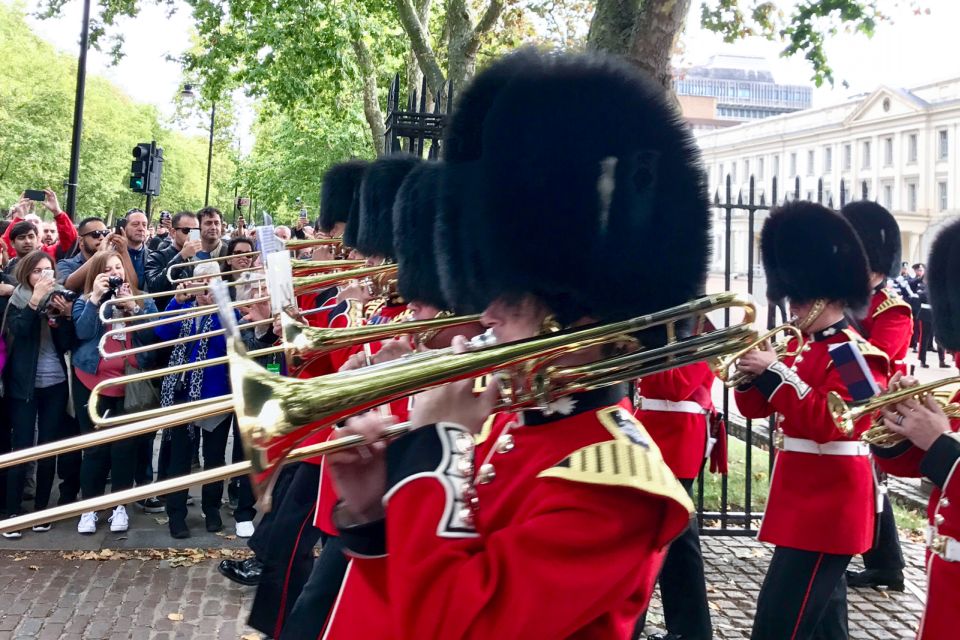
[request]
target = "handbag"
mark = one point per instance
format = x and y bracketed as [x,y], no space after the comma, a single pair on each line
[139,395]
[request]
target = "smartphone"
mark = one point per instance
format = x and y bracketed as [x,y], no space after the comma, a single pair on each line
[194,234]
[33,194]
[303,214]
[47,273]
[164,215]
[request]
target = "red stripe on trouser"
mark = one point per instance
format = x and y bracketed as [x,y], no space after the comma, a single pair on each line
[806,596]
[286,577]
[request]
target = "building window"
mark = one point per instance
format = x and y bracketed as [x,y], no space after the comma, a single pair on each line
[746,169]
[888,196]
[760,168]
[912,148]
[865,164]
[810,163]
[847,156]
[722,177]
[912,197]
[942,144]
[793,164]
[733,172]
[809,196]
[865,190]
[942,195]
[827,159]
[888,152]
[827,198]
[776,166]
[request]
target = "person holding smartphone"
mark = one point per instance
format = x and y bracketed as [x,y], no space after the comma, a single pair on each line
[38,332]
[65,230]
[184,245]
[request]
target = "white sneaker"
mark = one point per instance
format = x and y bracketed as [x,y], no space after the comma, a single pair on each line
[119,520]
[244,529]
[12,535]
[88,522]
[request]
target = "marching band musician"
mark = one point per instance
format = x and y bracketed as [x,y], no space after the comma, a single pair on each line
[932,448]
[555,526]
[675,407]
[820,510]
[887,325]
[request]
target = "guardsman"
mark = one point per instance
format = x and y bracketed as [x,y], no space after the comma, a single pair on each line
[676,407]
[932,448]
[555,526]
[887,325]
[820,511]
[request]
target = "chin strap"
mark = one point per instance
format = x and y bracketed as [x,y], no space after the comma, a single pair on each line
[819,306]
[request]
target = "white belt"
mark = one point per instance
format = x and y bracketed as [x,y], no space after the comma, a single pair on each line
[944,546]
[840,448]
[682,406]
[926,306]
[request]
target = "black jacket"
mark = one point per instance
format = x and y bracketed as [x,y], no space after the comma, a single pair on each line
[22,333]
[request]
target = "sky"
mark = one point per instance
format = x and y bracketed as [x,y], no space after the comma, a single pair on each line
[911,50]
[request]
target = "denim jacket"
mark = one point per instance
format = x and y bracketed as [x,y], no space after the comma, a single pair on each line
[86,322]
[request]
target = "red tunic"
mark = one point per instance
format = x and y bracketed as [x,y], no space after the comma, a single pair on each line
[811,495]
[888,326]
[678,423]
[943,518]
[565,541]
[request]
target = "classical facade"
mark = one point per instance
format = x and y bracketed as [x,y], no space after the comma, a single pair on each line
[898,147]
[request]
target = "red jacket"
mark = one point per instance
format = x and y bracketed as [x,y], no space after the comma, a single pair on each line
[66,232]
[564,540]
[823,503]
[942,465]
[680,433]
[888,326]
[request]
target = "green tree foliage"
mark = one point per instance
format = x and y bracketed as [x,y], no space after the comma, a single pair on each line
[36,115]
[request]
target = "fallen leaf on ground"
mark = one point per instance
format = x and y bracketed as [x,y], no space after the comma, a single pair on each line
[176,617]
[34,567]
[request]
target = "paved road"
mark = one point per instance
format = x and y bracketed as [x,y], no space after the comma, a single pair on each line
[49,594]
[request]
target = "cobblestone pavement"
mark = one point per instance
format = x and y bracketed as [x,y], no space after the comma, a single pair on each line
[45,595]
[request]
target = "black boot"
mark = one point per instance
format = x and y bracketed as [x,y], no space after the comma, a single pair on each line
[246,572]
[875,578]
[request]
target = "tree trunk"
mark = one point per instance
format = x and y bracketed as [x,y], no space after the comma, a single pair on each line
[371,102]
[414,74]
[465,38]
[644,32]
[420,44]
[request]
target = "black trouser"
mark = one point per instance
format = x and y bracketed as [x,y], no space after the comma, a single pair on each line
[803,597]
[44,415]
[926,343]
[118,459]
[144,469]
[312,608]
[245,511]
[683,586]
[288,557]
[886,554]
[214,444]
[260,540]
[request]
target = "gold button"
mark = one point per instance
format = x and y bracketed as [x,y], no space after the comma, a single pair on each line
[505,443]
[487,474]
[944,503]
[464,443]
[938,519]
[465,466]
[466,515]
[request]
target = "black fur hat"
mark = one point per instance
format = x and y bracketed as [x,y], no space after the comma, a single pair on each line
[378,190]
[352,228]
[943,279]
[341,183]
[571,177]
[811,252]
[414,217]
[879,232]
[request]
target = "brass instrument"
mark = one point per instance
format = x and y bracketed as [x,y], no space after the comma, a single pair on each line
[725,368]
[845,415]
[183,482]
[275,413]
[300,267]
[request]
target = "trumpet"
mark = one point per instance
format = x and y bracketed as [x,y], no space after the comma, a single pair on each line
[845,415]
[275,413]
[724,368]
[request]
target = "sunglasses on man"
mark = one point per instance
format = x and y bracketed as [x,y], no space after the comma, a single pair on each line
[99,233]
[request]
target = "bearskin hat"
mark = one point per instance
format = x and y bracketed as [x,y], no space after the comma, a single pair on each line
[879,233]
[378,190]
[352,229]
[341,184]
[811,252]
[414,217]
[570,177]
[943,279]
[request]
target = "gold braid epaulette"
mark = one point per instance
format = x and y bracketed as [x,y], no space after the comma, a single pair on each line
[865,347]
[893,300]
[630,460]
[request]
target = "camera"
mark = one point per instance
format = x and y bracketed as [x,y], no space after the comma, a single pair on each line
[50,311]
[113,283]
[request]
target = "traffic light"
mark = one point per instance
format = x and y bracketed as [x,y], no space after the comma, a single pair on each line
[140,167]
[146,169]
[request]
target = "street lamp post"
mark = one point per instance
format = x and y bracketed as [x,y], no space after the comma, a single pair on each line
[188,94]
[74,176]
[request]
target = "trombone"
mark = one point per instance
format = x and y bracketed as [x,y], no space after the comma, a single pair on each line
[845,415]
[274,413]
[292,245]
[300,267]
[724,368]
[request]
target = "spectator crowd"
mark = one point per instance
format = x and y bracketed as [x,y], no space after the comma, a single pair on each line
[76,297]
